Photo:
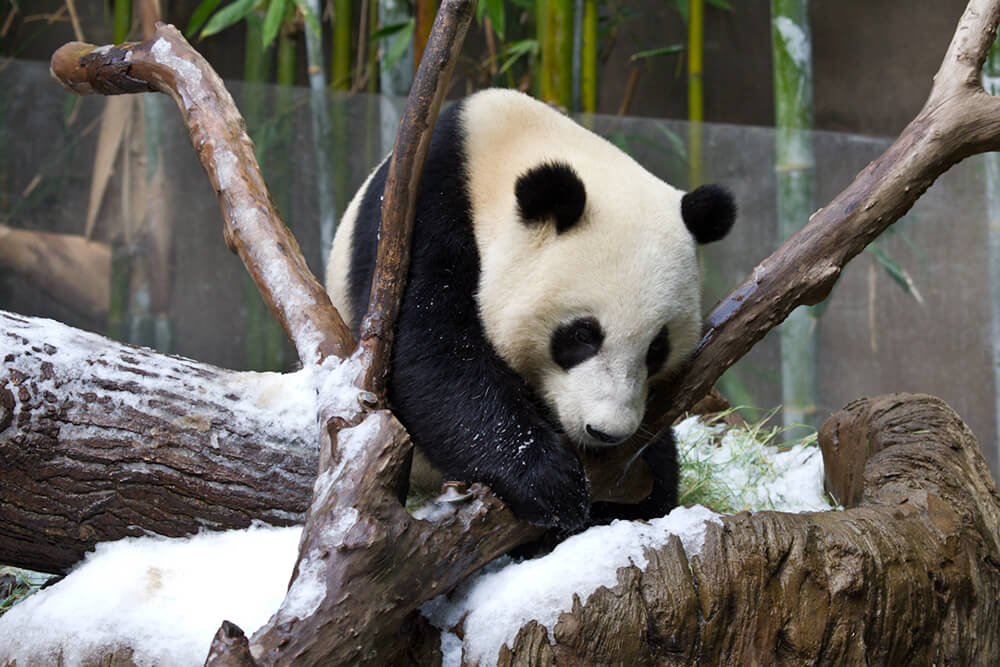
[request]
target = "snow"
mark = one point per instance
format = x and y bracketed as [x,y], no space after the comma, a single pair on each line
[795,40]
[505,595]
[750,474]
[188,74]
[165,598]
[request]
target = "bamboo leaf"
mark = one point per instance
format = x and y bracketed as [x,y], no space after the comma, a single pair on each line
[517,50]
[494,9]
[272,22]
[227,16]
[661,51]
[896,272]
[682,8]
[310,17]
[399,44]
[390,30]
[721,4]
[199,16]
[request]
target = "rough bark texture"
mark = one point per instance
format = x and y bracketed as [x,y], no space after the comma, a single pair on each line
[921,547]
[101,440]
[909,573]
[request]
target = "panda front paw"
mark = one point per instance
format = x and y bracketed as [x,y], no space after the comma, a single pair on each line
[555,496]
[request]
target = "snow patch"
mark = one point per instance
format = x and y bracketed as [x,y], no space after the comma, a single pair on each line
[504,596]
[226,165]
[187,72]
[795,39]
[165,598]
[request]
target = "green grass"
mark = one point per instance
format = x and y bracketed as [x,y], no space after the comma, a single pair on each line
[17,584]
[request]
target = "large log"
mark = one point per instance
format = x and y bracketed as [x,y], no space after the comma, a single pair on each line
[101,440]
[909,573]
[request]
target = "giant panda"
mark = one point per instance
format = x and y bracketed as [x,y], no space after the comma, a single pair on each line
[551,277]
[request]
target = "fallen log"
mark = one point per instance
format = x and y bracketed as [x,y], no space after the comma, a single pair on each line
[100,440]
[908,573]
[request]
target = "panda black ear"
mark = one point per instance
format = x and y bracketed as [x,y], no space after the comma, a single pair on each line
[709,212]
[550,191]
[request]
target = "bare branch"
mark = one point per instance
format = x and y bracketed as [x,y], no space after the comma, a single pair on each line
[958,120]
[402,185]
[253,227]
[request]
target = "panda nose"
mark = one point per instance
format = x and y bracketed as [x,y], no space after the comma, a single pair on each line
[604,437]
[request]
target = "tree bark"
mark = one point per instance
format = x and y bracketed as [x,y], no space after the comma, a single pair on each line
[100,440]
[357,531]
[908,573]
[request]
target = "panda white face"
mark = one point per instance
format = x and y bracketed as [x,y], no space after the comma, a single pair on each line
[589,279]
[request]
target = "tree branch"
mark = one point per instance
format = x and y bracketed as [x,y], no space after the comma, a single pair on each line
[253,227]
[958,120]
[402,185]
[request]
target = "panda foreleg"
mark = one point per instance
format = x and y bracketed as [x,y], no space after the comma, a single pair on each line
[476,420]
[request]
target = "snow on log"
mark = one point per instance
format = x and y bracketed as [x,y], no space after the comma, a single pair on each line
[100,440]
[909,573]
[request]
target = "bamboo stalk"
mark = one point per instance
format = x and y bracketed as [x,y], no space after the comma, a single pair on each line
[696,93]
[588,64]
[557,53]
[322,148]
[796,194]
[340,57]
[991,84]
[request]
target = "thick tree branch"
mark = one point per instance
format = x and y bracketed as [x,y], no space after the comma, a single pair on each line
[253,227]
[958,120]
[909,574]
[402,185]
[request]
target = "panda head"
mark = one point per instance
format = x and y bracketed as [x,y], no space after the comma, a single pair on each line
[594,288]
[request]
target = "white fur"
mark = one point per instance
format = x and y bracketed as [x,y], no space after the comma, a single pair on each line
[630,262]
[340,255]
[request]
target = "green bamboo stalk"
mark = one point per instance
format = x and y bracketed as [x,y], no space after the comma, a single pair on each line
[122,20]
[791,49]
[340,58]
[322,148]
[121,260]
[696,91]
[991,84]
[557,53]
[588,65]
[541,8]
[373,81]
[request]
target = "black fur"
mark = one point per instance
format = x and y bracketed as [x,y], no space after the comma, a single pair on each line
[551,191]
[471,414]
[576,342]
[709,212]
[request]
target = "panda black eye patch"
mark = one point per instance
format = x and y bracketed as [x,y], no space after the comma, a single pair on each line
[577,341]
[658,351]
